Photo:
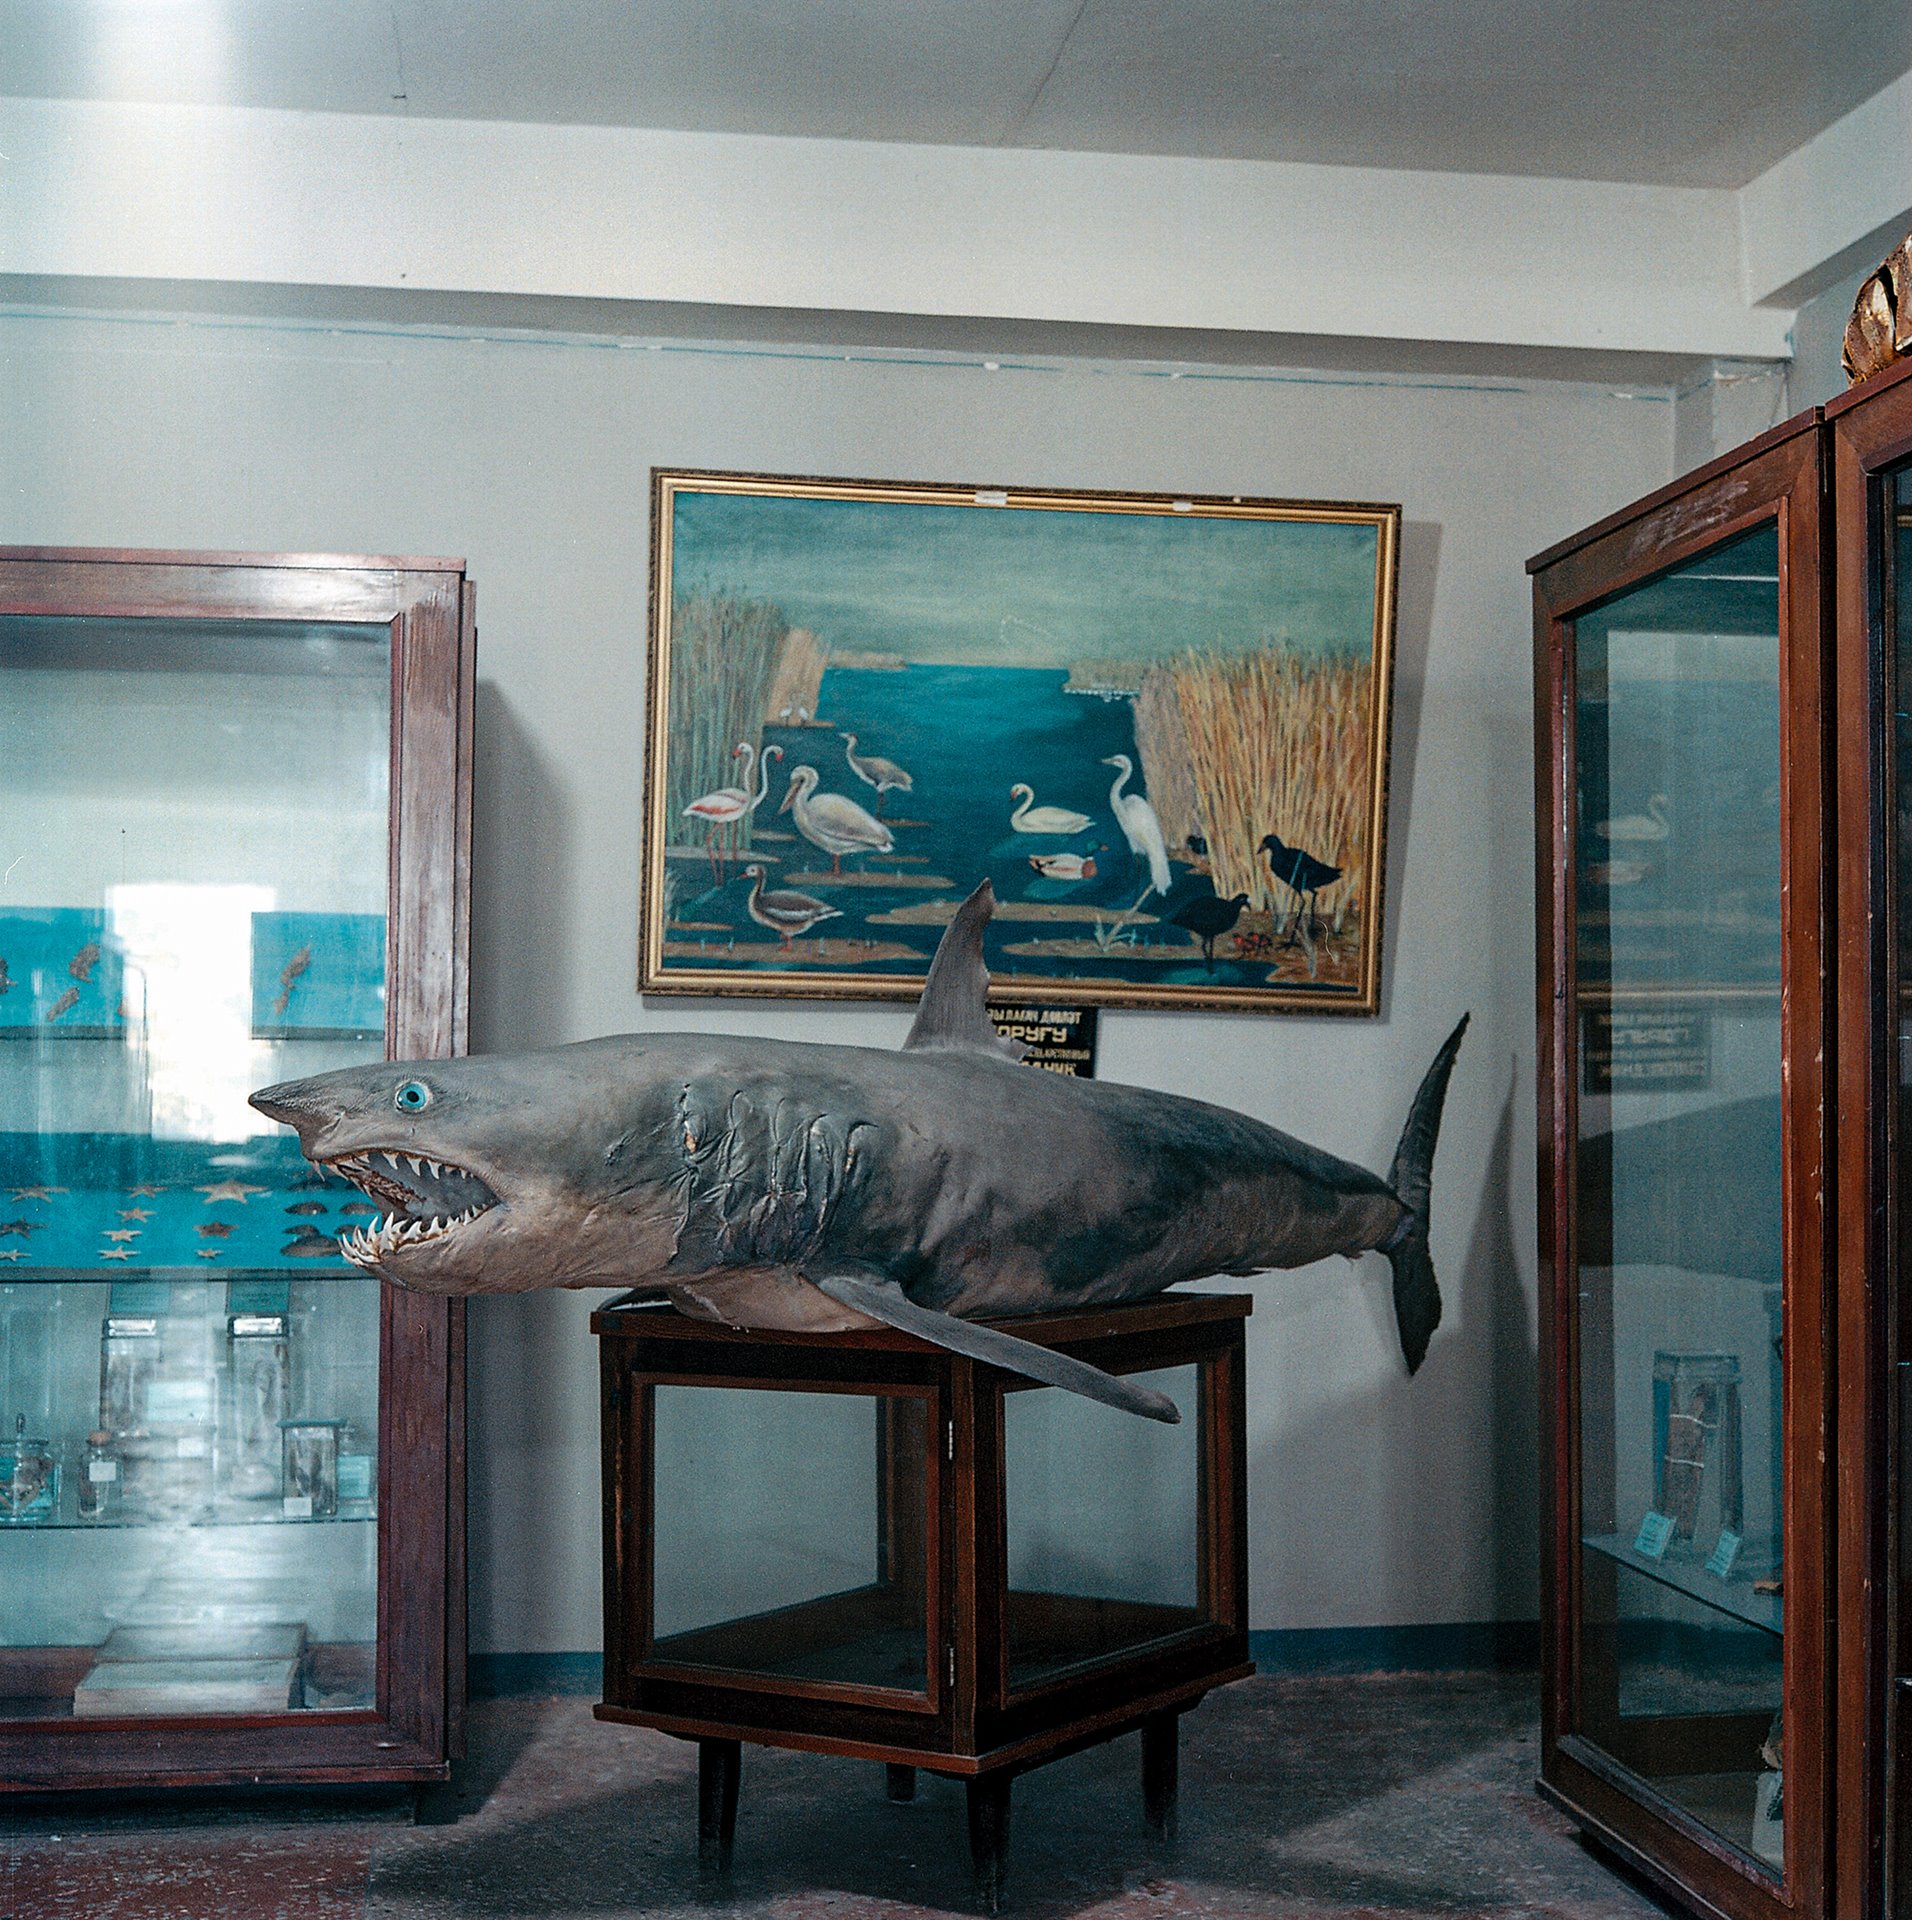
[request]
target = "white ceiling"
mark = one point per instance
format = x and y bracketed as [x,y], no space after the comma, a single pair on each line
[1681,92]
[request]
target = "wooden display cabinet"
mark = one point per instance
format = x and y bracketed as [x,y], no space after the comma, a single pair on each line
[237,791]
[1724,804]
[862,1544]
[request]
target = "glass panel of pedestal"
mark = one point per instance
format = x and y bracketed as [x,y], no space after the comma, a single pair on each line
[1680,676]
[789,1534]
[1102,1520]
[194,1406]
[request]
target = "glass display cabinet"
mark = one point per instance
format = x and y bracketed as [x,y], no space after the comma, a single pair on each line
[234,807]
[1725,830]
[863,1544]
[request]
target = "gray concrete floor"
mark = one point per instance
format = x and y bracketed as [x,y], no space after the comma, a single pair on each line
[1373,1798]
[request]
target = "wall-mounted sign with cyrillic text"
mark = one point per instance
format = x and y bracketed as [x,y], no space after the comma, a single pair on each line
[1059,1039]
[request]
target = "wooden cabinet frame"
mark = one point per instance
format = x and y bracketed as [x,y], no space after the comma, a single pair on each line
[416,1726]
[1775,480]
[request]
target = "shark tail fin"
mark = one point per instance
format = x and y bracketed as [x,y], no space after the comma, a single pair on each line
[1417,1295]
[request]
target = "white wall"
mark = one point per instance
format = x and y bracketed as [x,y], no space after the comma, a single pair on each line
[1372,1499]
[1819,337]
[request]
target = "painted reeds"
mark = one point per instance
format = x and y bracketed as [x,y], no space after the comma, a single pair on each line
[1278,744]
[798,678]
[1161,743]
[724,654]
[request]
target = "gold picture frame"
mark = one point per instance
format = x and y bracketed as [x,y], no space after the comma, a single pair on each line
[1193,694]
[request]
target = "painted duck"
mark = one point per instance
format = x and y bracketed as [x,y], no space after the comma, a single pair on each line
[1064,866]
[873,770]
[783,910]
[1029,818]
[833,821]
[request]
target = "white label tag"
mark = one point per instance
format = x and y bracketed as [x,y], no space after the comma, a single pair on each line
[1655,1535]
[298,1506]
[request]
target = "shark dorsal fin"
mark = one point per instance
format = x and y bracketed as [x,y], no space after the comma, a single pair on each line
[952,1014]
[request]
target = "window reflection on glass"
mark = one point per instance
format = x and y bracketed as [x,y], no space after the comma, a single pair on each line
[1677,929]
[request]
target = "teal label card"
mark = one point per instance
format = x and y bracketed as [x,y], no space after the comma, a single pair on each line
[1656,1533]
[1725,1556]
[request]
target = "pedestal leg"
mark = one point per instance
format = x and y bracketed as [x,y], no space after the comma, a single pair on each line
[989,1836]
[719,1763]
[899,1782]
[1161,1767]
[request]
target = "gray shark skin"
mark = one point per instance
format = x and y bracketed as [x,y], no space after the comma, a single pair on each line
[789,1186]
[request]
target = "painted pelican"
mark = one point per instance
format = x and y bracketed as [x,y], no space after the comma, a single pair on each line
[832,821]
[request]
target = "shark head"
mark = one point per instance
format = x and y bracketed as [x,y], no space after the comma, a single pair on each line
[494,1175]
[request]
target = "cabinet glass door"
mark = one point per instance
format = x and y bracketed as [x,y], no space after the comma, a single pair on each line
[194,830]
[1682,1275]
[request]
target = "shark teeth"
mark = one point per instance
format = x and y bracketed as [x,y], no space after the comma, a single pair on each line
[424,1198]
[366,1246]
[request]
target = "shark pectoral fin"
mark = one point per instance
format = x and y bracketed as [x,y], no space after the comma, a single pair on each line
[868,1292]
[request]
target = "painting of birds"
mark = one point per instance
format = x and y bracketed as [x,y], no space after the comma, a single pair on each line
[1208,917]
[783,910]
[833,821]
[1140,828]
[1654,824]
[1301,873]
[1029,818]
[873,770]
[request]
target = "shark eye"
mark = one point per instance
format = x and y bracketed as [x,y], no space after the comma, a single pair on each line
[413,1097]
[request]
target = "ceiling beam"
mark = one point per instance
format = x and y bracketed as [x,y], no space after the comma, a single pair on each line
[1840,202]
[117,192]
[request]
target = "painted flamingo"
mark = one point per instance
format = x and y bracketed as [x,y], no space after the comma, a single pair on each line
[724,809]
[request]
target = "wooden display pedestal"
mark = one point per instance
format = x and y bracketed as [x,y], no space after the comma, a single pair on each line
[860,1544]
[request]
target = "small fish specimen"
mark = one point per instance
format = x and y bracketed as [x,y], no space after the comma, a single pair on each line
[289,976]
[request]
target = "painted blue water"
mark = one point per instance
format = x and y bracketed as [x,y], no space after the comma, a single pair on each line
[966,735]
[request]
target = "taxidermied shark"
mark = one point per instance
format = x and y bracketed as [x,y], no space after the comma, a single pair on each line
[796,1187]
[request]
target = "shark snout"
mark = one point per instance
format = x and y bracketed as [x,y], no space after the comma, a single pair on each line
[292,1102]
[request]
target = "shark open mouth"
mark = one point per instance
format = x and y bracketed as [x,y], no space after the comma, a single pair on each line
[428,1199]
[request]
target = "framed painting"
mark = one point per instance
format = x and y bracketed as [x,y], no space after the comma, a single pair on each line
[1158,723]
